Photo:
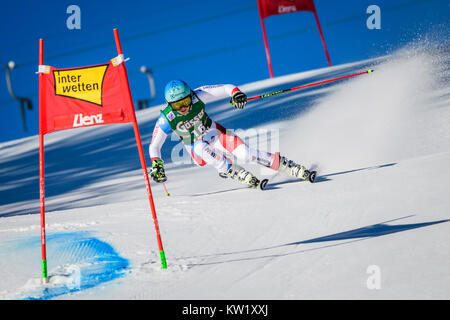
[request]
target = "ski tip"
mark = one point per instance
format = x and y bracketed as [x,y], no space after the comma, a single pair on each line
[370,71]
[263,184]
[312,176]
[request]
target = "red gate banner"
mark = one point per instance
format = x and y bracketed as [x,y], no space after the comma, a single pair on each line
[84,96]
[273,7]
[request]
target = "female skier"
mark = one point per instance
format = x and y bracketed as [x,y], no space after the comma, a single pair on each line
[203,137]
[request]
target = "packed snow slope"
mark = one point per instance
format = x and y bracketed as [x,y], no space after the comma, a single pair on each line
[375,225]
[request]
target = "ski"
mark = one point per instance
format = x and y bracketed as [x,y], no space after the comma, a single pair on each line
[263,184]
[312,176]
[255,183]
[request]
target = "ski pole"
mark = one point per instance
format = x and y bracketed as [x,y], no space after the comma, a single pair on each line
[308,85]
[165,188]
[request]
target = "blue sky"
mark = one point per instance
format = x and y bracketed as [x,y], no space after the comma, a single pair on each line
[202,41]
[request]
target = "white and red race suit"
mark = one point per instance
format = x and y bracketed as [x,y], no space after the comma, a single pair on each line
[216,146]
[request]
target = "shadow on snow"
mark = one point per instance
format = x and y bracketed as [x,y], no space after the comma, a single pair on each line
[372,231]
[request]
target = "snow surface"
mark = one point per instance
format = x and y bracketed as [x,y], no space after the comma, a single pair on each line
[375,225]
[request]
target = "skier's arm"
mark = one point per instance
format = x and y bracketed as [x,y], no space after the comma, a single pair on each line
[220,91]
[160,132]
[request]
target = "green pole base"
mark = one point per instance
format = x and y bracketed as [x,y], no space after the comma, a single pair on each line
[163,259]
[44,272]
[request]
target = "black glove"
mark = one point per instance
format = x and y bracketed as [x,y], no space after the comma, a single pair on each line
[157,172]
[239,100]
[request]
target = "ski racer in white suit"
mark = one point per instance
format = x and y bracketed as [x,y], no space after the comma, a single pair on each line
[203,138]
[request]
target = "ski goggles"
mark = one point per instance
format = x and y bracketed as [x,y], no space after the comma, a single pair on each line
[185,102]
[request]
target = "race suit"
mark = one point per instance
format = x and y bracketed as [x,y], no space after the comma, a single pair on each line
[208,142]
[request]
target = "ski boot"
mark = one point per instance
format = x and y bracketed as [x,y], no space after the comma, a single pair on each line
[296,170]
[240,174]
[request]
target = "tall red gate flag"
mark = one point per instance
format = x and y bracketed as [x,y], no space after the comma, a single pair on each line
[84,96]
[269,8]
[273,7]
[81,97]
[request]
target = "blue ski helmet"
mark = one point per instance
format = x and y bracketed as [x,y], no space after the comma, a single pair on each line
[176,90]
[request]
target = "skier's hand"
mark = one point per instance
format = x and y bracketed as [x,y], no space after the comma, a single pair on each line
[157,172]
[239,100]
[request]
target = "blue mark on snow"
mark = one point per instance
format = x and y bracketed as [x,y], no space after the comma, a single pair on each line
[82,262]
